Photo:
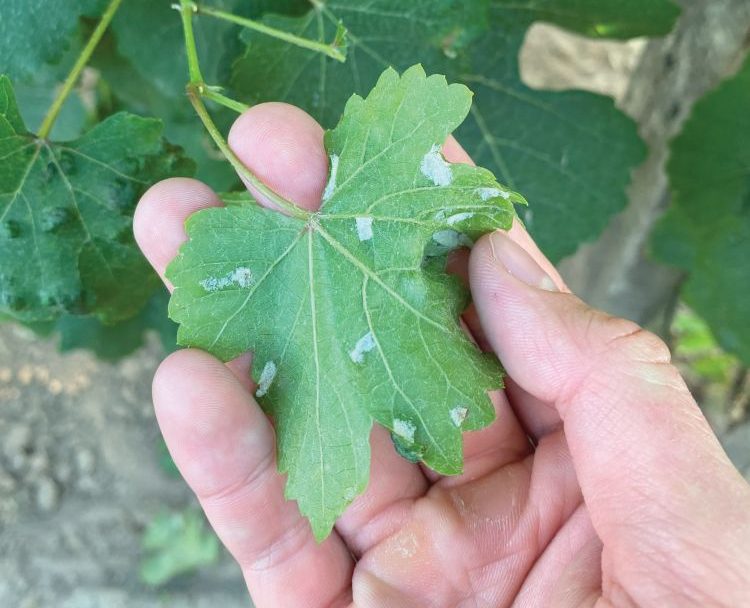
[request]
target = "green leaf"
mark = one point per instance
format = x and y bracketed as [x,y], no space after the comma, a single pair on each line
[706,230]
[696,347]
[607,19]
[132,92]
[35,32]
[176,543]
[347,322]
[113,342]
[66,242]
[571,153]
[34,101]
[380,33]
[149,35]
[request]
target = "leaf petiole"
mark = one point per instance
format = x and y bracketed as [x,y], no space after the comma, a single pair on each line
[197,90]
[334,50]
[195,94]
[215,95]
[54,110]
[187,10]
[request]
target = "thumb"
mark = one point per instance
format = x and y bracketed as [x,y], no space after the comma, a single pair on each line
[640,446]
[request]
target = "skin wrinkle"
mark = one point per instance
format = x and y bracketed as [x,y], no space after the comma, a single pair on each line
[254,477]
[286,546]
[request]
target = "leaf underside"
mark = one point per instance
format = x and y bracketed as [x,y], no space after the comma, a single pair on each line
[348,322]
[66,243]
[571,153]
[706,231]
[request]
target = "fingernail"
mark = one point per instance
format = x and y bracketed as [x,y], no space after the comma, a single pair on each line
[516,260]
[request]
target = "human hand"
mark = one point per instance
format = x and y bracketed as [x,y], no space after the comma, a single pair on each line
[626,499]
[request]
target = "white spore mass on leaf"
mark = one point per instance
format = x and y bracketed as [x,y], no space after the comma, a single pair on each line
[458,415]
[487,193]
[331,185]
[364,228]
[451,239]
[364,345]
[404,429]
[435,168]
[458,217]
[241,277]
[266,378]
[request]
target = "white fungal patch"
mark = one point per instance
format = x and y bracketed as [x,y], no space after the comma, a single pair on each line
[350,493]
[458,217]
[446,238]
[331,185]
[364,228]
[266,378]
[241,277]
[435,168]
[404,429]
[458,415]
[451,239]
[487,193]
[363,346]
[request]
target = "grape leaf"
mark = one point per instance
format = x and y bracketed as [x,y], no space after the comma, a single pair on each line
[571,153]
[144,25]
[112,342]
[35,32]
[706,230]
[380,33]
[129,91]
[347,322]
[621,19]
[66,242]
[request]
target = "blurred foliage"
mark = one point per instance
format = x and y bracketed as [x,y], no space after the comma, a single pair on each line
[176,543]
[696,348]
[706,230]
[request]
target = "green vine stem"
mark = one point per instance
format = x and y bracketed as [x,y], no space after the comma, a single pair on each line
[54,110]
[197,90]
[333,50]
[215,95]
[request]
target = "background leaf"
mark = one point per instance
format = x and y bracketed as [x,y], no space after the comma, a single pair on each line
[609,19]
[141,26]
[571,153]
[175,543]
[35,32]
[66,214]
[706,231]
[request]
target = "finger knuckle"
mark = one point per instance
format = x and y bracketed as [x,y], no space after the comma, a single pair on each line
[632,341]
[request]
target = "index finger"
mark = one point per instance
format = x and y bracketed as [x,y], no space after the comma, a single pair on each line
[282,145]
